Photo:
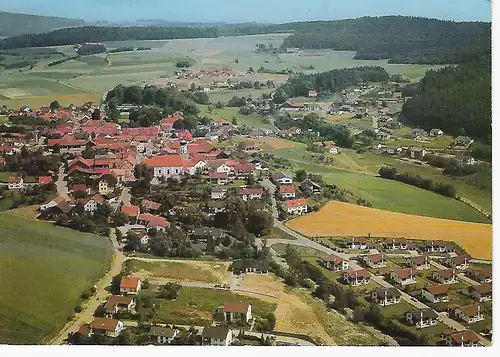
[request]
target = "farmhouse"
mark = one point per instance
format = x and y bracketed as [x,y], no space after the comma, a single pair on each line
[421,262]
[356,277]
[481,292]
[15,183]
[106,326]
[236,311]
[374,261]
[403,276]
[481,276]
[396,244]
[130,285]
[116,303]
[422,318]
[290,106]
[216,336]
[287,192]
[335,263]
[436,293]
[297,206]
[466,338]
[163,335]
[470,313]
[444,276]
[386,296]
[281,179]
[356,243]
[250,193]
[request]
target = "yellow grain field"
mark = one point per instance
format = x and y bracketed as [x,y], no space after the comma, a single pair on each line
[340,219]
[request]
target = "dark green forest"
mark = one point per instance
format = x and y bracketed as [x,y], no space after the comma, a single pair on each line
[456,99]
[329,82]
[12,24]
[399,39]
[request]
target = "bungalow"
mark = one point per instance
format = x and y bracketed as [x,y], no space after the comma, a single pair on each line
[206,233]
[90,204]
[435,247]
[481,292]
[250,193]
[297,206]
[287,192]
[218,193]
[436,293]
[436,132]
[374,261]
[403,276]
[216,336]
[280,178]
[421,262]
[246,266]
[106,326]
[386,296]
[417,152]
[150,206]
[422,318]
[130,285]
[356,243]
[466,338]
[459,262]
[335,263]
[481,276]
[15,183]
[163,335]
[444,276]
[116,303]
[218,178]
[396,244]
[356,277]
[470,313]
[309,185]
[237,311]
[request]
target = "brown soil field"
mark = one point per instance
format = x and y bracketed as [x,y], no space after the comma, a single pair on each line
[298,312]
[276,143]
[338,219]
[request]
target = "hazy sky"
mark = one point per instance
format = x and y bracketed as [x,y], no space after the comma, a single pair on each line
[250,10]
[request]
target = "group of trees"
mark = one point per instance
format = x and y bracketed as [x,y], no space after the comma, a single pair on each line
[329,82]
[443,189]
[456,99]
[400,39]
[96,222]
[31,163]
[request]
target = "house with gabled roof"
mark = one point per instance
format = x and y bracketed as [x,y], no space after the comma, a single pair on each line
[466,338]
[90,204]
[287,192]
[436,293]
[216,336]
[282,179]
[422,318]
[403,276]
[356,243]
[163,335]
[335,263]
[106,326]
[481,292]
[386,296]
[374,261]
[469,313]
[296,206]
[396,244]
[15,183]
[421,262]
[130,285]
[116,303]
[250,193]
[481,275]
[218,178]
[131,211]
[356,277]
[150,206]
[237,311]
[460,262]
[444,276]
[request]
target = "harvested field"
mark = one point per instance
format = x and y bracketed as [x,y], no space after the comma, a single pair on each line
[181,270]
[340,219]
[298,312]
[276,144]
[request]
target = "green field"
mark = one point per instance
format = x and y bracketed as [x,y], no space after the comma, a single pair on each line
[197,306]
[228,113]
[43,271]
[3,119]
[384,194]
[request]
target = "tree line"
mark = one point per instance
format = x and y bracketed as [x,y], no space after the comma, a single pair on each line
[400,39]
[456,99]
[391,173]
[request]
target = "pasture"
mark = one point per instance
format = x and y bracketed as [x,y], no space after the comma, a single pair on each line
[198,305]
[338,219]
[227,114]
[43,271]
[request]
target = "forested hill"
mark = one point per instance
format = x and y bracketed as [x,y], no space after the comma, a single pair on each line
[397,38]
[71,36]
[12,24]
[455,99]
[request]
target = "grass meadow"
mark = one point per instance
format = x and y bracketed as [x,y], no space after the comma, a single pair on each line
[43,271]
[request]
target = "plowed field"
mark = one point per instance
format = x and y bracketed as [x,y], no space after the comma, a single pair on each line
[339,219]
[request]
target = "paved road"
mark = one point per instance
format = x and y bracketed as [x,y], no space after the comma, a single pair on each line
[62,186]
[86,316]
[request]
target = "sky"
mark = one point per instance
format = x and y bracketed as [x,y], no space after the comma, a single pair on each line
[265,11]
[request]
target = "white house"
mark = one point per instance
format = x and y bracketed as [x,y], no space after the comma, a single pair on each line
[404,276]
[335,263]
[250,193]
[436,293]
[166,165]
[218,193]
[334,150]
[163,335]
[470,313]
[422,318]
[15,183]
[216,336]
[282,179]
[90,204]
[297,206]
[287,192]
[130,285]
[386,296]
[106,326]
[235,311]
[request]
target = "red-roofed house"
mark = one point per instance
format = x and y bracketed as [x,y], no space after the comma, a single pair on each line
[374,261]
[90,204]
[44,180]
[242,171]
[335,263]
[237,311]
[15,183]
[185,135]
[219,178]
[250,193]
[298,206]
[105,326]
[403,276]
[436,293]
[444,276]
[356,277]
[130,285]
[152,221]
[166,165]
[470,313]
[287,192]
[148,206]
[131,211]
[465,338]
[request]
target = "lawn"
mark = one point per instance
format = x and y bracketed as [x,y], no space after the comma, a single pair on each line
[396,310]
[197,306]
[43,271]
[180,270]
[280,248]
[4,177]
[228,113]
[3,119]
[277,233]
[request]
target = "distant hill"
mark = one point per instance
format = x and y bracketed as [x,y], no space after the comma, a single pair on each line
[12,24]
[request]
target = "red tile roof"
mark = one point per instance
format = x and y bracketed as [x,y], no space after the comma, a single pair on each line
[333,258]
[102,323]
[445,273]
[150,204]
[466,336]
[404,273]
[287,189]
[165,161]
[131,210]
[470,310]
[15,179]
[482,289]
[44,180]
[441,289]
[375,258]
[296,203]
[361,273]
[236,307]
[250,191]
[217,175]
[129,282]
